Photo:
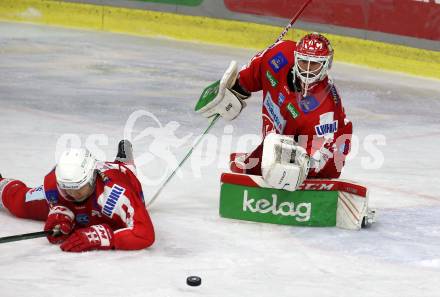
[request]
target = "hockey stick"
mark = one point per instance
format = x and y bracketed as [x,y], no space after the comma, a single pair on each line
[292,21]
[24,236]
[216,117]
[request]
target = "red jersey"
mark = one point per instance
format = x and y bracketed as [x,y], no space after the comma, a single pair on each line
[315,120]
[116,201]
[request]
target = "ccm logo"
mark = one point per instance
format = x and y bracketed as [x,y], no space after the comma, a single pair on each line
[317,187]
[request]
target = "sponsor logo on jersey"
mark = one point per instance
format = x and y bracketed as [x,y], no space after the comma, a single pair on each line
[271,79]
[52,196]
[278,62]
[115,193]
[35,194]
[327,125]
[82,218]
[281,98]
[308,104]
[323,129]
[292,110]
[274,113]
[301,212]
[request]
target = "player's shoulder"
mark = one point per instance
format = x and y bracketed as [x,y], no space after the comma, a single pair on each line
[115,171]
[105,166]
[279,57]
[285,46]
[115,190]
[282,50]
[111,173]
[289,44]
[51,174]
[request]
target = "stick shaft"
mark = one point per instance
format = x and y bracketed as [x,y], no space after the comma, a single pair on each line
[293,20]
[24,236]
[214,120]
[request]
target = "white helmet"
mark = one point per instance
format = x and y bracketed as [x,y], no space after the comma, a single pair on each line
[75,169]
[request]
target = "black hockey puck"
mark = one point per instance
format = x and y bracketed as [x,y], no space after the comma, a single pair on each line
[193,281]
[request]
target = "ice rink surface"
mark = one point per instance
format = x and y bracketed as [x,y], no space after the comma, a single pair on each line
[62,87]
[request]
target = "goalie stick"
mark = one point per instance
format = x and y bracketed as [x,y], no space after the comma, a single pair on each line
[216,117]
[292,21]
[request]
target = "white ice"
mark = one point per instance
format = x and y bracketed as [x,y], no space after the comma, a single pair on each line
[57,84]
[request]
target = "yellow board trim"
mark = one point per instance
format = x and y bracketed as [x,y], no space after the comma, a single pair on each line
[216,31]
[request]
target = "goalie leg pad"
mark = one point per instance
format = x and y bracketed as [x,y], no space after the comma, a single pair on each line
[353,212]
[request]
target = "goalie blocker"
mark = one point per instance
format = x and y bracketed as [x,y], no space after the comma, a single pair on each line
[316,203]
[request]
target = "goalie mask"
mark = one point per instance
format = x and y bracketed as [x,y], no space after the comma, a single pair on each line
[313,59]
[76,174]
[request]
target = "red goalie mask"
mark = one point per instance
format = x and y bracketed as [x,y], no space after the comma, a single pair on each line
[313,59]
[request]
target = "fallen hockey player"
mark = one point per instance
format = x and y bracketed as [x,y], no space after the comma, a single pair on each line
[305,130]
[89,205]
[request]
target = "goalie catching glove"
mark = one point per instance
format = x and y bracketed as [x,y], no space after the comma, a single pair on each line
[224,97]
[284,164]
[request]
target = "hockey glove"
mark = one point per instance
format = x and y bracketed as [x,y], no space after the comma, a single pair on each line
[60,220]
[321,157]
[284,164]
[221,98]
[96,237]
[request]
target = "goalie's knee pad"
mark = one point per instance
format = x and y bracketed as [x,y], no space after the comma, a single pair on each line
[236,162]
[284,165]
